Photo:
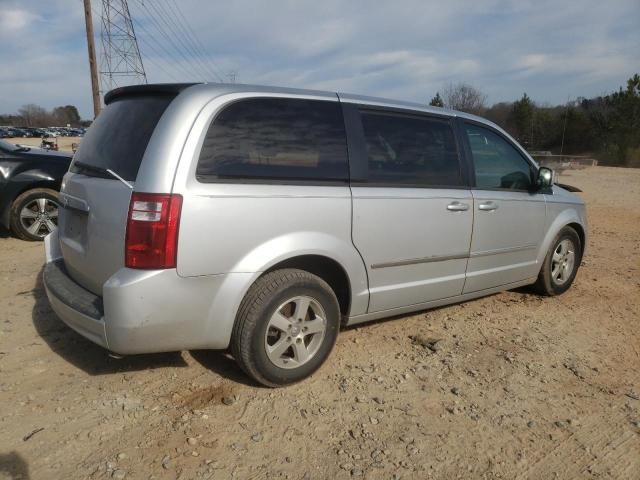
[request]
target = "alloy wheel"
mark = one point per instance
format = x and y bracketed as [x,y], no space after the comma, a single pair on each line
[563,261]
[39,217]
[295,332]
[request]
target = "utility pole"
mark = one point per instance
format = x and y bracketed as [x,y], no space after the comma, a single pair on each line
[95,87]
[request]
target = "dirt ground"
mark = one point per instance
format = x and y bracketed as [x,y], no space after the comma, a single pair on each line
[64,143]
[517,386]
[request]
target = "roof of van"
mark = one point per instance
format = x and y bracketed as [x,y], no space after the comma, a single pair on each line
[218,89]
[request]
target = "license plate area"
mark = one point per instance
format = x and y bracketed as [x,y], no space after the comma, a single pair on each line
[73,228]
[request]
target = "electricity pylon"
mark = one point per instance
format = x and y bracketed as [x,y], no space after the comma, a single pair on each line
[121,63]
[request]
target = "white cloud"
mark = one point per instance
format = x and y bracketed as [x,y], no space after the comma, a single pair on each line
[14,20]
[405,49]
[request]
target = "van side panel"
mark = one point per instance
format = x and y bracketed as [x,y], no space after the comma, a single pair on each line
[232,227]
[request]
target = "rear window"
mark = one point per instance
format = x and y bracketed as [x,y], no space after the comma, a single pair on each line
[276,138]
[119,136]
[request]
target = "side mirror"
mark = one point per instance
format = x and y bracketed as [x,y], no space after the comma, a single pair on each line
[545,178]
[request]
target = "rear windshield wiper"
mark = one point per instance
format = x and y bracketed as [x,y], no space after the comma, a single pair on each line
[103,171]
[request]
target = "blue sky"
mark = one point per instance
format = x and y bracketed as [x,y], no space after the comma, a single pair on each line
[401,49]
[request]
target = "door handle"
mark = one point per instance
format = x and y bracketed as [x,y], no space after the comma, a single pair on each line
[488,206]
[457,207]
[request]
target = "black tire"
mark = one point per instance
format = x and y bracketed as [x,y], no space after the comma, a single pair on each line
[547,284]
[248,343]
[18,226]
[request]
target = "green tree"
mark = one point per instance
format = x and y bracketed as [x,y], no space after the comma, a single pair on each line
[547,128]
[615,122]
[66,115]
[500,113]
[522,114]
[437,101]
[622,120]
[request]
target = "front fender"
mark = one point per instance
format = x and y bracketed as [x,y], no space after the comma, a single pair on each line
[561,216]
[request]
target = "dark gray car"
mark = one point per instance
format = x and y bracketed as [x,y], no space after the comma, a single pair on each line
[29,182]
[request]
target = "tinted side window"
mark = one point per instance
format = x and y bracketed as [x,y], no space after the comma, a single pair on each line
[118,138]
[497,163]
[410,149]
[276,138]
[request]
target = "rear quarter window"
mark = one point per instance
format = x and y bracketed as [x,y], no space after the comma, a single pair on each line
[275,138]
[119,136]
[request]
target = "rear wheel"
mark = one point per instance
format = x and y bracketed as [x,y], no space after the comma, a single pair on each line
[286,327]
[561,263]
[34,214]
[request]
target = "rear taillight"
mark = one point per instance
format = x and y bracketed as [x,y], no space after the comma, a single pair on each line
[152,231]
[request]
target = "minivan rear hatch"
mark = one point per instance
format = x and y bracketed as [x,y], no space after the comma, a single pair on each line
[93,220]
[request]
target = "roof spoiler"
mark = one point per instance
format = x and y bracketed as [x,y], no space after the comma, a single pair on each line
[148,89]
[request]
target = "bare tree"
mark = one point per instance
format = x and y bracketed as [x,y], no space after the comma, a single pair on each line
[464,97]
[34,115]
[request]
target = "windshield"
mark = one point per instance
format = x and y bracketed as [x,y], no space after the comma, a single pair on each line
[119,136]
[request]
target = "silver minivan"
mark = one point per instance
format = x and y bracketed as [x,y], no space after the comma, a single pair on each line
[261,220]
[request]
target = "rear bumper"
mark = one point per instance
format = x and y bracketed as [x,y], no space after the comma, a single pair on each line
[146,311]
[80,309]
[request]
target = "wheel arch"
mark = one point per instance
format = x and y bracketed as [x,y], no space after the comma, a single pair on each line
[328,270]
[336,263]
[19,187]
[331,257]
[569,217]
[581,233]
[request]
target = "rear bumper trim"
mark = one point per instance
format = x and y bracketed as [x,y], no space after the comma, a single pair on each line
[86,326]
[60,284]
[78,308]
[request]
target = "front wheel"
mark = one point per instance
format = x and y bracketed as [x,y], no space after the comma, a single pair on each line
[286,327]
[34,214]
[561,263]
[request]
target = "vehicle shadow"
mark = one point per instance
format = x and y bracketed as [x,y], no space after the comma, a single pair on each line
[84,354]
[4,233]
[14,465]
[221,363]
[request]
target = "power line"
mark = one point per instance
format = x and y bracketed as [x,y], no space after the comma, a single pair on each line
[160,67]
[153,23]
[138,26]
[121,57]
[183,34]
[179,49]
[148,39]
[194,39]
